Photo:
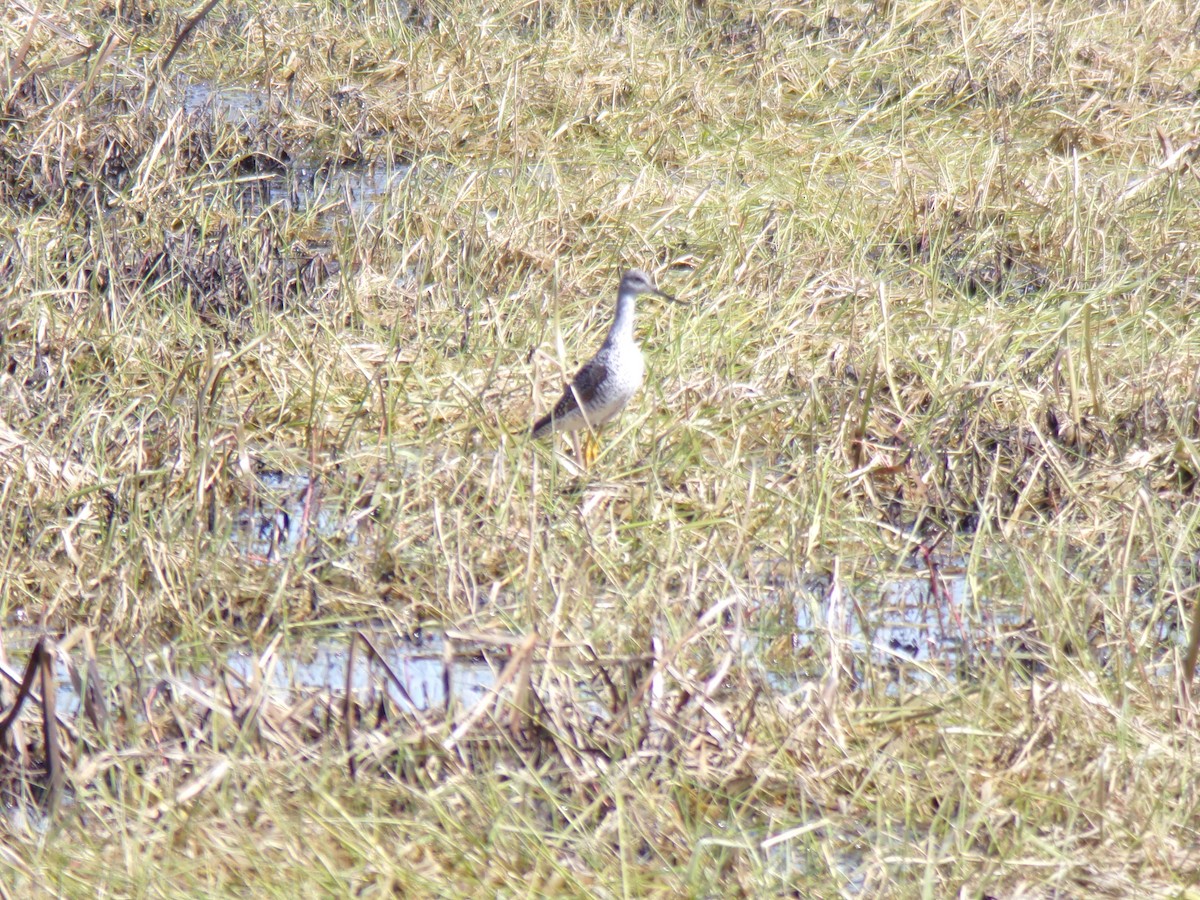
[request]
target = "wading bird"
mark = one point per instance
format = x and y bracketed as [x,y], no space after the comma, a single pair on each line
[600,390]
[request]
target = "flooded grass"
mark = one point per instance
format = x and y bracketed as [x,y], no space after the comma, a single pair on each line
[884,585]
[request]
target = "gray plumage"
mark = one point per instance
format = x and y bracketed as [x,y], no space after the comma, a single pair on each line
[602,388]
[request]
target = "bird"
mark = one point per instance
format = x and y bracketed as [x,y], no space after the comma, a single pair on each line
[603,387]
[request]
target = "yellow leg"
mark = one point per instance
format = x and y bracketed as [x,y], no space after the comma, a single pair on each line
[590,450]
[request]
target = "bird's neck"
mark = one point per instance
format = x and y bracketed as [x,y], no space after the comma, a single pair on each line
[622,326]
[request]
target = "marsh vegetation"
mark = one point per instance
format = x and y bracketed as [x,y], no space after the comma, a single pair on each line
[882,586]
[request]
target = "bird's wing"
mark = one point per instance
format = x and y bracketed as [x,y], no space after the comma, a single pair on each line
[582,388]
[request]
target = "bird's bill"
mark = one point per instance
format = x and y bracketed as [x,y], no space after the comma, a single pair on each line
[667,296]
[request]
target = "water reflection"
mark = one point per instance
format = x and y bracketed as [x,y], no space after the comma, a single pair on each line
[424,667]
[421,666]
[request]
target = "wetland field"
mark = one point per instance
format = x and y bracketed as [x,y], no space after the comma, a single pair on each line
[885,585]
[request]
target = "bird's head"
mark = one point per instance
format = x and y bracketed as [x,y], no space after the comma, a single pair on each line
[636,282]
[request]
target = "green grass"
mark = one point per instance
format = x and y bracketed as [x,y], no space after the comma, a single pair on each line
[940,275]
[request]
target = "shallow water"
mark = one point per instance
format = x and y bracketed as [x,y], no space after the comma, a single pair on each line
[330,191]
[421,665]
[234,105]
[903,625]
[920,629]
[423,670]
[287,515]
[915,629]
[899,628]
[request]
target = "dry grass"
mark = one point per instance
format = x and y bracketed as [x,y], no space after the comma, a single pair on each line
[941,268]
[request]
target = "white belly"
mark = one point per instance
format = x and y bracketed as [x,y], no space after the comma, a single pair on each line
[625,373]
